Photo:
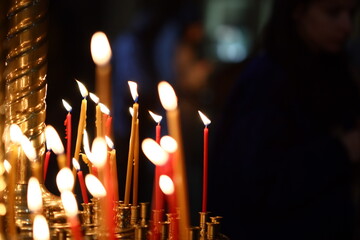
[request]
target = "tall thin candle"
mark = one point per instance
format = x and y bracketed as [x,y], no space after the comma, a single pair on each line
[81,180]
[98,116]
[206,122]
[82,119]
[136,165]
[68,131]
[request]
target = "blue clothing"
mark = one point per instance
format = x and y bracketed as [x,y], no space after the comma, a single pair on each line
[277,170]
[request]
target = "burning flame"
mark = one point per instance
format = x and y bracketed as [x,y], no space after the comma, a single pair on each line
[94,186]
[157,118]
[7,166]
[65,179]
[84,92]
[98,154]
[28,148]
[53,140]
[100,49]
[154,152]
[86,143]
[133,90]
[131,110]
[169,144]
[76,164]
[15,133]
[104,109]
[41,228]
[109,142]
[205,119]
[34,195]
[94,98]
[70,204]
[167,96]
[67,105]
[166,185]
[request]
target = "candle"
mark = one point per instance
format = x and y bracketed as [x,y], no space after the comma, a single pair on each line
[81,180]
[101,55]
[107,119]
[133,89]
[136,165]
[167,187]
[169,102]
[113,167]
[157,119]
[82,119]
[55,144]
[206,122]
[71,211]
[46,162]
[68,131]
[98,116]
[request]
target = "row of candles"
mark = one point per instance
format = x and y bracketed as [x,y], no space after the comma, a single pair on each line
[101,181]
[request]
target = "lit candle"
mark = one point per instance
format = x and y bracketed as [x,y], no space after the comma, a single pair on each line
[34,196]
[167,187]
[71,211]
[82,119]
[157,119]
[108,119]
[81,180]
[40,228]
[46,162]
[65,180]
[101,55]
[68,131]
[113,167]
[55,144]
[92,168]
[133,89]
[206,122]
[136,165]
[99,119]
[169,102]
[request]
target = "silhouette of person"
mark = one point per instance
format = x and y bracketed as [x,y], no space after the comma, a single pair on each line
[288,140]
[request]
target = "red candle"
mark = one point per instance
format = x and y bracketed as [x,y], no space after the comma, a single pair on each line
[75,228]
[82,186]
[68,132]
[158,132]
[46,162]
[206,122]
[108,125]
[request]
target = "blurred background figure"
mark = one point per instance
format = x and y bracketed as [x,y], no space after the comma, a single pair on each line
[288,144]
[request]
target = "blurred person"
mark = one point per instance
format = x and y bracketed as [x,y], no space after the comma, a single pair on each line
[288,142]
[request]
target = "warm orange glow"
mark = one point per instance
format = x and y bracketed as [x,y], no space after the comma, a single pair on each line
[15,133]
[28,148]
[169,144]
[98,154]
[100,49]
[94,98]
[154,152]
[34,195]
[167,96]
[65,180]
[94,186]
[205,119]
[133,90]
[67,105]
[70,204]
[40,228]
[157,118]
[76,164]
[84,92]
[166,185]
[53,140]
[104,109]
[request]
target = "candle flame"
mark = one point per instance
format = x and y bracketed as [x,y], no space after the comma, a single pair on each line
[15,133]
[34,195]
[76,164]
[70,204]
[157,118]
[169,144]
[154,152]
[104,109]
[204,118]
[65,179]
[94,186]
[98,152]
[67,105]
[109,142]
[131,110]
[28,148]
[7,166]
[94,98]
[84,92]
[41,228]
[166,185]
[133,90]
[86,143]
[167,96]
[53,140]
[100,49]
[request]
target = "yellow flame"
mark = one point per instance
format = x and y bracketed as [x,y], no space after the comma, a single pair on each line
[169,144]
[15,133]
[41,228]
[86,143]
[65,179]
[76,164]
[53,140]
[100,49]
[204,118]
[94,186]
[7,166]
[84,92]
[67,105]
[167,96]
[154,152]
[157,118]
[34,195]
[166,185]
[98,152]
[104,109]
[94,98]
[28,148]
[70,204]
[131,111]
[133,90]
